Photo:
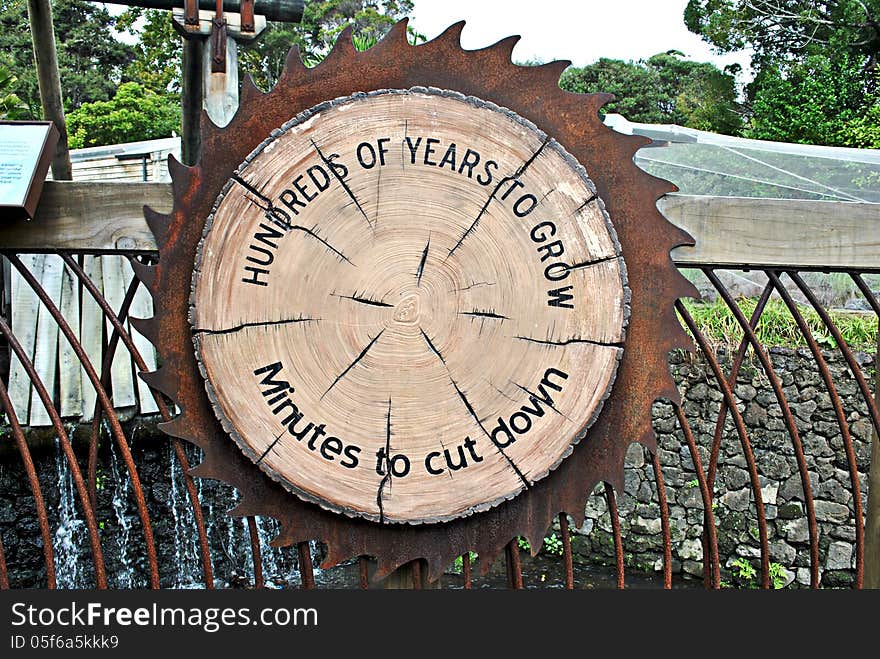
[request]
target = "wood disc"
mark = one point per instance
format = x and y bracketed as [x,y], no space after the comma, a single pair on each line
[408,305]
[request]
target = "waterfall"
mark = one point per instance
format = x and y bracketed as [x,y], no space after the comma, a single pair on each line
[70,536]
[186,551]
[125,577]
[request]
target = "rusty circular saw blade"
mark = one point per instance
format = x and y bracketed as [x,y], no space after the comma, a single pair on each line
[630,196]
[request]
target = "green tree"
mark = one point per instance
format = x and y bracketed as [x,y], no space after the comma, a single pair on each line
[11,106]
[157,53]
[666,88]
[133,114]
[90,59]
[316,33]
[810,101]
[778,29]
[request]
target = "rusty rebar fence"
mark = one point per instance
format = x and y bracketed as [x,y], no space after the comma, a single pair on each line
[713,444]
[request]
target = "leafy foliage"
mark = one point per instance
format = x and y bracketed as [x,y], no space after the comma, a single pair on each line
[133,114]
[90,59]
[316,33]
[666,88]
[11,106]
[815,65]
[157,53]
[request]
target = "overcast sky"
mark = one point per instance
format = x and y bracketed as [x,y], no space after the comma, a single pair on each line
[578,30]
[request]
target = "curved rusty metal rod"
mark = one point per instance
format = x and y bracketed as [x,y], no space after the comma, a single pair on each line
[417,581]
[4,575]
[363,565]
[64,440]
[466,569]
[664,520]
[615,529]
[866,291]
[841,422]
[731,380]
[34,482]
[841,345]
[566,551]
[708,515]
[514,569]
[306,570]
[115,427]
[255,553]
[179,452]
[740,426]
[106,366]
[787,417]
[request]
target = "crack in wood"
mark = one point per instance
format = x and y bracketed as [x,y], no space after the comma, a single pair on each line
[476,418]
[269,448]
[269,209]
[432,346]
[352,365]
[476,313]
[544,400]
[587,264]
[586,203]
[344,185]
[261,323]
[386,479]
[474,284]
[364,300]
[421,267]
[507,179]
[549,342]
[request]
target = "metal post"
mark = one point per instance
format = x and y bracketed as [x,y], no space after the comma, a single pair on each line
[872,525]
[192,98]
[43,35]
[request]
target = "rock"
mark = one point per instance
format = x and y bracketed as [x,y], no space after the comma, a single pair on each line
[817,446]
[839,556]
[803,576]
[668,458]
[692,548]
[646,492]
[828,511]
[690,498]
[631,481]
[698,392]
[755,416]
[693,568]
[791,511]
[648,526]
[862,429]
[734,477]
[805,409]
[792,488]
[745,392]
[748,551]
[796,530]
[596,505]
[769,491]
[843,533]
[782,552]
[833,491]
[736,500]
[586,527]
[635,456]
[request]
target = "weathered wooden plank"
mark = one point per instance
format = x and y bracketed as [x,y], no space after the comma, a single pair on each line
[142,307]
[89,217]
[25,308]
[46,346]
[115,285]
[69,378]
[732,231]
[739,231]
[91,333]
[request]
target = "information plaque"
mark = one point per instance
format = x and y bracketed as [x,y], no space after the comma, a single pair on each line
[26,149]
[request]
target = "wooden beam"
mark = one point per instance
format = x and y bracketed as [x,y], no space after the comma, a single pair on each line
[738,231]
[732,231]
[91,217]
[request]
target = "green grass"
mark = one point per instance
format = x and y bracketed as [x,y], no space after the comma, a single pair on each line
[777,327]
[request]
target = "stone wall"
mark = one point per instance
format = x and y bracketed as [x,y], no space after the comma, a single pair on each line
[733,503]
[734,510]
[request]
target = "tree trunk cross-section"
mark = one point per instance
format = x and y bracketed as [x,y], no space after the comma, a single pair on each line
[409,305]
